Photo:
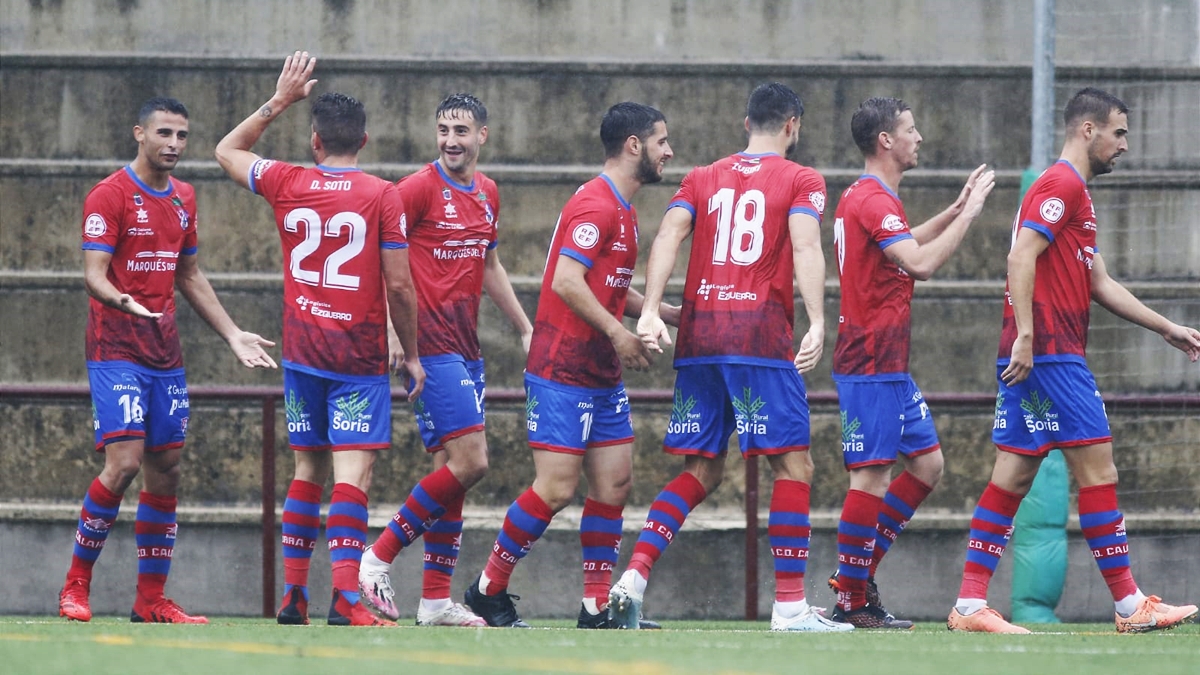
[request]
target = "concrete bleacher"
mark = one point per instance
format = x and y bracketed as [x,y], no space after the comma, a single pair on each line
[73,73]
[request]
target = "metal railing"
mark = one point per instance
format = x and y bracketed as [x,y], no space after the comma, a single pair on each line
[267,396]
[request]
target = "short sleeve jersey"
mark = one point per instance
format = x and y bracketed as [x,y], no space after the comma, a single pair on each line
[599,229]
[332,224]
[146,231]
[738,302]
[875,321]
[1059,207]
[451,227]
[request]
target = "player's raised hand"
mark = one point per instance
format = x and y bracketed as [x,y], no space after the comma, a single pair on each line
[957,207]
[416,374]
[632,350]
[1021,362]
[1186,340]
[248,348]
[295,82]
[812,345]
[652,331]
[131,306]
[979,191]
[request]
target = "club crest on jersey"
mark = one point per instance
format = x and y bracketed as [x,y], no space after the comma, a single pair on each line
[446,194]
[1052,209]
[893,223]
[585,235]
[94,225]
[137,199]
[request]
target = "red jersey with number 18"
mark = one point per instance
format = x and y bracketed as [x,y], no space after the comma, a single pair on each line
[451,227]
[738,302]
[1059,207]
[146,231]
[598,229]
[875,321]
[332,224]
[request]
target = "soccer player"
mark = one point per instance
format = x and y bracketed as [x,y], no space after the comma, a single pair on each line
[754,218]
[1047,395]
[577,411]
[884,416]
[453,215]
[139,246]
[343,240]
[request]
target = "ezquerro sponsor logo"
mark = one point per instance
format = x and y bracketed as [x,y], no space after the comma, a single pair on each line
[683,420]
[1037,413]
[852,441]
[746,412]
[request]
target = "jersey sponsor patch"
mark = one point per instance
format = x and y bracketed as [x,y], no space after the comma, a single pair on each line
[893,223]
[818,200]
[1052,209]
[260,168]
[585,235]
[94,226]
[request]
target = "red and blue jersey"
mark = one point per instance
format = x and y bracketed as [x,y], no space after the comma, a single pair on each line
[738,302]
[451,227]
[599,229]
[875,321]
[1058,207]
[332,224]
[146,231]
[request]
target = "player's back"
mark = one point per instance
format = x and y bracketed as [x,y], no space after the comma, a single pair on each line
[738,298]
[332,223]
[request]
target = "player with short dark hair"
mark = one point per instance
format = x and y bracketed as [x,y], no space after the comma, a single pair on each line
[453,216]
[884,415]
[1048,397]
[577,411]
[754,218]
[344,249]
[139,247]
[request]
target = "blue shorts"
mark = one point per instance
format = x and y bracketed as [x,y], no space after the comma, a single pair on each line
[570,420]
[132,402]
[1057,406]
[883,419]
[765,405]
[451,404]
[348,413]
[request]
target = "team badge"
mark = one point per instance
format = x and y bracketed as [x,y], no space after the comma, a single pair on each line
[1052,209]
[818,200]
[482,196]
[585,235]
[893,223]
[137,199]
[446,194]
[94,226]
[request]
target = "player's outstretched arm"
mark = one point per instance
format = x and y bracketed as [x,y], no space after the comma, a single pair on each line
[294,84]
[809,262]
[95,279]
[676,226]
[920,259]
[1111,295]
[499,288]
[402,310]
[248,347]
[570,284]
[930,229]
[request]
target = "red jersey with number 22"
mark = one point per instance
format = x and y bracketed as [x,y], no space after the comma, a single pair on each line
[332,224]
[599,229]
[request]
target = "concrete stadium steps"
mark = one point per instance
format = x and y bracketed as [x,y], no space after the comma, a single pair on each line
[1155,453]
[956,326]
[548,112]
[973,31]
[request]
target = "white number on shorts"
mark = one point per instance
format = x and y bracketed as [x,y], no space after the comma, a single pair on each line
[132,408]
[586,418]
[312,241]
[743,245]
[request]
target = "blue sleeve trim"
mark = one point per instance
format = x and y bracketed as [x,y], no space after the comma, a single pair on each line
[392,244]
[250,182]
[191,250]
[93,246]
[577,256]
[892,240]
[683,205]
[806,211]
[1039,228]
[493,245]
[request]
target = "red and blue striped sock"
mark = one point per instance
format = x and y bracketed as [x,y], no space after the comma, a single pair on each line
[154,534]
[670,508]
[1104,528]
[346,532]
[442,540]
[425,504]
[524,524]
[301,527]
[856,544]
[600,537]
[788,530]
[903,497]
[991,528]
[96,518]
